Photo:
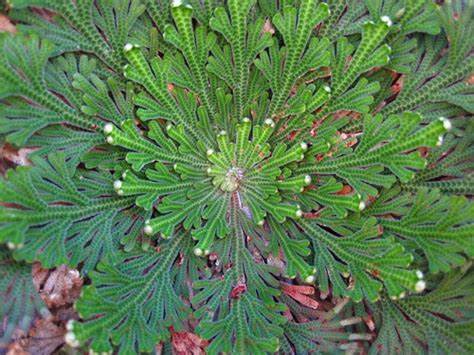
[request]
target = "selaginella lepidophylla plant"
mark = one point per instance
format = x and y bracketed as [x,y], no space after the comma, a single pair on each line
[190,159]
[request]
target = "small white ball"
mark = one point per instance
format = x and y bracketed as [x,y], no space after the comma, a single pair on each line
[304,146]
[309,279]
[361,205]
[327,88]
[71,340]
[70,324]
[299,213]
[110,139]
[209,152]
[148,230]
[270,122]
[108,128]
[387,20]
[420,286]
[246,119]
[128,47]
[446,123]
[440,141]
[198,251]
[117,184]
[419,274]
[261,222]
[307,179]
[176,3]
[120,192]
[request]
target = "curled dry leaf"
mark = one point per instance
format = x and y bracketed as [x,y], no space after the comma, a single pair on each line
[185,343]
[301,294]
[15,156]
[44,338]
[6,25]
[268,27]
[57,287]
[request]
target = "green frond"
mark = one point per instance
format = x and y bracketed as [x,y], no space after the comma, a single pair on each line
[438,321]
[132,302]
[21,303]
[59,215]
[191,157]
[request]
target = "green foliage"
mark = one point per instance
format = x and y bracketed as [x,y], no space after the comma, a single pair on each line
[440,320]
[189,158]
[20,301]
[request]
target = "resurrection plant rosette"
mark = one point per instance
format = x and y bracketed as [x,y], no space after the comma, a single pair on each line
[199,161]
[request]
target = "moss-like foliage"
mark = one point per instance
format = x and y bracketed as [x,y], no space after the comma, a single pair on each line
[189,157]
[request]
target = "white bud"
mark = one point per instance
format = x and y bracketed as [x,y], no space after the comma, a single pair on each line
[307,179]
[361,205]
[419,274]
[19,246]
[110,139]
[327,88]
[209,170]
[246,119]
[70,324]
[207,252]
[128,47]
[71,340]
[446,123]
[11,246]
[117,184]
[304,146]
[120,192]
[209,152]
[124,175]
[309,279]
[169,126]
[393,298]
[402,295]
[197,251]
[299,213]
[387,20]
[420,286]
[261,222]
[222,133]
[270,122]
[148,230]
[440,140]
[108,128]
